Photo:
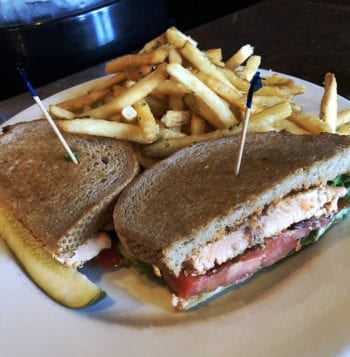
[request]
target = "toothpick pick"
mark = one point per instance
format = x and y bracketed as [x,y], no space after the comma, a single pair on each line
[255,84]
[47,115]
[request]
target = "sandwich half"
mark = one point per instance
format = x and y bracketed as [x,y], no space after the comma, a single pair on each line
[204,229]
[60,205]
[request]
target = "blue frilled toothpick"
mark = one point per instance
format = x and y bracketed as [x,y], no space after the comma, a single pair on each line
[255,85]
[46,114]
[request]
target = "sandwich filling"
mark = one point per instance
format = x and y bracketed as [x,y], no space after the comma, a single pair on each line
[90,249]
[261,240]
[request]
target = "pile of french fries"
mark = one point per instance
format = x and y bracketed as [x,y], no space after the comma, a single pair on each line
[171,94]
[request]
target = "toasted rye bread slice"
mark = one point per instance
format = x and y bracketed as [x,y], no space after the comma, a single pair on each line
[184,201]
[63,204]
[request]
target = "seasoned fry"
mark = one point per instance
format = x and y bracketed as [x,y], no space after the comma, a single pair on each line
[285,92]
[224,117]
[174,56]
[155,56]
[112,80]
[229,93]
[329,102]
[289,126]
[215,56]
[77,104]
[238,82]
[176,103]
[239,57]
[145,161]
[105,128]
[343,117]
[271,115]
[269,100]
[309,122]
[200,107]
[198,125]
[172,88]
[165,148]
[201,61]
[140,90]
[277,80]
[171,94]
[344,129]
[154,43]
[165,133]
[58,112]
[146,120]
[178,38]
[250,68]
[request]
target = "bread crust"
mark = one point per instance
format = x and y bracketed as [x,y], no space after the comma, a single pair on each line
[61,203]
[182,202]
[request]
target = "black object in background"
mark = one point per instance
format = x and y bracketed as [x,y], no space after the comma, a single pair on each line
[192,13]
[54,48]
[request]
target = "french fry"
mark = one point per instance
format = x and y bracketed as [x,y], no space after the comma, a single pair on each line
[58,112]
[146,121]
[270,115]
[164,148]
[224,116]
[117,90]
[77,104]
[158,106]
[155,56]
[344,129]
[343,117]
[197,124]
[285,92]
[174,56]
[239,57]
[309,122]
[165,134]
[238,82]
[172,88]
[178,38]
[329,102]
[145,161]
[154,43]
[289,126]
[200,107]
[130,96]
[250,68]
[231,94]
[112,80]
[176,103]
[269,100]
[171,94]
[278,80]
[201,61]
[215,56]
[99,127]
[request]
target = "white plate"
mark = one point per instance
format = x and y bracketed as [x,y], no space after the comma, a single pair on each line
[299,307]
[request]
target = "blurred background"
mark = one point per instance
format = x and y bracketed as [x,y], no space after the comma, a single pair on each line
[55,38]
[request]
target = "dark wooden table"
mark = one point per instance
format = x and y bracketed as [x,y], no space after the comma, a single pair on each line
[302,38]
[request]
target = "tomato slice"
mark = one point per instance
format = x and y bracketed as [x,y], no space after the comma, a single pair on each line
[109,258]
[239,268]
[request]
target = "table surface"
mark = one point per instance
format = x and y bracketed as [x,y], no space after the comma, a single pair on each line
[305,39]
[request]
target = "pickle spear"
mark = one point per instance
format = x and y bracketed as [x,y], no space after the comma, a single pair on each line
[63,284]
